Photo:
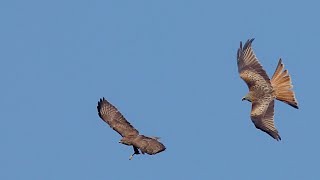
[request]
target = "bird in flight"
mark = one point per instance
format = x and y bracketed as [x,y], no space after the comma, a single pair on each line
[262,90]
[130,136]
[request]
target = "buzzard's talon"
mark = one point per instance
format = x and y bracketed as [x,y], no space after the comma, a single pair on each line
[130,158]
[132,155]
[135,152]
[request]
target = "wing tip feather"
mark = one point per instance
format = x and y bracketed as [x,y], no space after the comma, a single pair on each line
[100,102]
[244,47]
[248,43]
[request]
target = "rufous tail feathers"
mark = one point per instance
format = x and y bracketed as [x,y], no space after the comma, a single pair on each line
[281,83]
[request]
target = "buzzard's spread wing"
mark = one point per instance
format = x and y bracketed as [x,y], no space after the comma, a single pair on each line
[249,67]
[262,116]
[115,119]
[148,145]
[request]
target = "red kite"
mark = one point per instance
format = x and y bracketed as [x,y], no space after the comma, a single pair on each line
[262,90]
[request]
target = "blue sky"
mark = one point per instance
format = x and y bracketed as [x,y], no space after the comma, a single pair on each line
[170,68]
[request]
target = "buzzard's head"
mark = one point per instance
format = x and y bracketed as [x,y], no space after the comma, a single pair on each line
[247,97]
[126,141]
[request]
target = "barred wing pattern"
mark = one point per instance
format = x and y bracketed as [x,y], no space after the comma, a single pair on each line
[115,119]
[266,123]
[248,64]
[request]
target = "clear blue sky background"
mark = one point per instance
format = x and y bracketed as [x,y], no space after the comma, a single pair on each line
[170,67]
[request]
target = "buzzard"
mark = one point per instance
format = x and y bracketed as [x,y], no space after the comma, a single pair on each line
[262,90]
[130,136]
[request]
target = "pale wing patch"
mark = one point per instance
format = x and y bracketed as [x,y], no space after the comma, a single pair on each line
[247,60]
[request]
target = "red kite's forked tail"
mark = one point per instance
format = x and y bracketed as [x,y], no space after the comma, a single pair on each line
[281,83]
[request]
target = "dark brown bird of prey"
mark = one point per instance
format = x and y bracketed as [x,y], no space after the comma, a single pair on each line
[130,136]
[262,90]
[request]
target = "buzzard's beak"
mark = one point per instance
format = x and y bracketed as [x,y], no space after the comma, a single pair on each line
[243,98]
[119,142]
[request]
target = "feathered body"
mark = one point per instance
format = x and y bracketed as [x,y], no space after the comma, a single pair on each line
[130,136]
[262,90]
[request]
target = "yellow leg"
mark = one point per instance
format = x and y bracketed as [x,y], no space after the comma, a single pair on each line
[131,156]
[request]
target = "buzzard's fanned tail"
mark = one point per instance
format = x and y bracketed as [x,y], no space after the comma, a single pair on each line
[281,83]
[148,145]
